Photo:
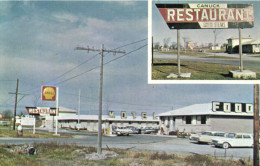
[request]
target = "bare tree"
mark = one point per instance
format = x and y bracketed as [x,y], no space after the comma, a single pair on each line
[157,45]
[7,114]
[166,42]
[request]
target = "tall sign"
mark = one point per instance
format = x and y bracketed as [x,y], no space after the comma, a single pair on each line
[207,15]
[48,93]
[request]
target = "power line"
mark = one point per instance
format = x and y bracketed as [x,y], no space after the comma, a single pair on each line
[99,66]
[70,70]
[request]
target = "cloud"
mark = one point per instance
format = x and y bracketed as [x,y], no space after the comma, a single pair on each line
[64,17]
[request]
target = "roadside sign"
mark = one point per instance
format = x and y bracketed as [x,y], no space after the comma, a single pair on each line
[48,93]
[207,16]
[41,110]
[25,121]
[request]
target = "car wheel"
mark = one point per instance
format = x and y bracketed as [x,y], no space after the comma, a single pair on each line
[226,145]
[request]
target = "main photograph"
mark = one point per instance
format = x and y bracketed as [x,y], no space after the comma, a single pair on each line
[74,91]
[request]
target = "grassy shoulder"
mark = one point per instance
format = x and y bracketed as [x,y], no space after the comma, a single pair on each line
[199,70]
[9,132]
[64,154]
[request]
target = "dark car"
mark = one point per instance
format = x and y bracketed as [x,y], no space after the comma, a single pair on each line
[149,130]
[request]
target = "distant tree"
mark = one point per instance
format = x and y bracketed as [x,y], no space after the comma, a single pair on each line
[166,42]
[21,114]
[156,45]
[174,45]
[7,114]
[210,45]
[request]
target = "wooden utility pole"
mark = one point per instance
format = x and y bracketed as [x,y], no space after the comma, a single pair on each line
[256,125]
[15,105]
[102,50]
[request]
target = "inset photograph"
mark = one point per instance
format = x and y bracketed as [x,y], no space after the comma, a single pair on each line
[205,41]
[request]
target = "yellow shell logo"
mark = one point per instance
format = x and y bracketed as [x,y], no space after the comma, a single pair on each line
[48,93]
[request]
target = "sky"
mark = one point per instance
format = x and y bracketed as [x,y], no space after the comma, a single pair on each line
[201,36]
[37,45]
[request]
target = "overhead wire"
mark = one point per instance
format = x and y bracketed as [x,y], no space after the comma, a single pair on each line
[70,70]
[99,66]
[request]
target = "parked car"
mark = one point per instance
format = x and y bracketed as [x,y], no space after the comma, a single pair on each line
[149,130]
[122,131]
[234,140]
[134,130]
[4,123]
[206,137]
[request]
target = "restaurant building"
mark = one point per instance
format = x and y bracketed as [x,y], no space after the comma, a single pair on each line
[215,116]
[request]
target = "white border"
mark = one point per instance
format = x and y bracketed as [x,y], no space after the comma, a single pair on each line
[150,81]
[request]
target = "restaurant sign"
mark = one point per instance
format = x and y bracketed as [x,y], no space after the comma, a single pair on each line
[41,110]
[207,16]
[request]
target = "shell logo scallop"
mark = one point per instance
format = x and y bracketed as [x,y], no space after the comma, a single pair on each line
[49,93]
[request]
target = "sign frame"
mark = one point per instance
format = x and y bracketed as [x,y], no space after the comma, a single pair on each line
[49,93]
[197,15]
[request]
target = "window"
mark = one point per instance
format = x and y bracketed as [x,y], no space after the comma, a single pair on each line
[188,119]
[203,119]
[239,136]
[246,136]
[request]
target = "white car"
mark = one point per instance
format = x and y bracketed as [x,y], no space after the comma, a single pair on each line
[123,131]
[206,137]
[234,140]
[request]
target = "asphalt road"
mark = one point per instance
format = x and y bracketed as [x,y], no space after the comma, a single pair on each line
[166,144]
[249,60]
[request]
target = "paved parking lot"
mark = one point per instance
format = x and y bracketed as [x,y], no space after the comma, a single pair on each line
[144,142]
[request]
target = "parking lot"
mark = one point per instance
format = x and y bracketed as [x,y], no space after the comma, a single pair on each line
[168,144]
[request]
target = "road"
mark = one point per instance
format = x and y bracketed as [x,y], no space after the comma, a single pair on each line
[168,144]
[250,61]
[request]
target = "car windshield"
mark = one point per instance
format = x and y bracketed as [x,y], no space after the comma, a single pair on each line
[206,133]
[219,134]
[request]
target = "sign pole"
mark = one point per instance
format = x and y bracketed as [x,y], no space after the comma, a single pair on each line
[34,125]
[240,50]
[178,52]
[57,109]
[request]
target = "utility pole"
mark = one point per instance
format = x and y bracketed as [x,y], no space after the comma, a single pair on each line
[102,50]
[79,112]
[256,125]
[15,105]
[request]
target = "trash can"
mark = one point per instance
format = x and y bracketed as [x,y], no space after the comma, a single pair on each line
[19,130]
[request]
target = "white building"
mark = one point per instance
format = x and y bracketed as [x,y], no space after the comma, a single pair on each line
[90,122]
[67,118]
[248,45]
[215,116]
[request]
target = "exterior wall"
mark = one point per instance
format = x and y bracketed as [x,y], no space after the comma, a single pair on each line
[232,46]
[92,125]
[195,126]
[231,124]
[213,123]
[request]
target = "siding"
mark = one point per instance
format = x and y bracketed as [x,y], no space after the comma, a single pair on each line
[232,124]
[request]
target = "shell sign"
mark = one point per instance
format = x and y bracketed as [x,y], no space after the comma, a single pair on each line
[49,93]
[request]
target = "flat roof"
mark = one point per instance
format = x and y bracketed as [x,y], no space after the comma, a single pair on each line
[108,118]
[201,109]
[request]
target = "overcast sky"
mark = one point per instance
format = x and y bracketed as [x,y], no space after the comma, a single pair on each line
[202,36]
[37,45]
